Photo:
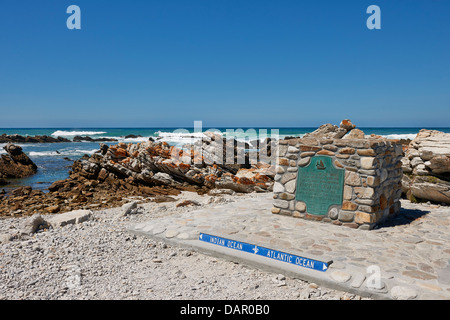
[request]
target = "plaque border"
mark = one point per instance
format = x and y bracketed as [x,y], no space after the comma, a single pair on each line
[331,205]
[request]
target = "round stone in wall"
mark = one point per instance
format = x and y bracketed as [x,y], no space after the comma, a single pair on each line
[333,213]
[300,206]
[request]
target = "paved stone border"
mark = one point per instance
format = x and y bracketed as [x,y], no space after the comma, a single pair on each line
[410,253]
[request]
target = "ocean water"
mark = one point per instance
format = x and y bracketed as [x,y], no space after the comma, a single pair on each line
[55,159]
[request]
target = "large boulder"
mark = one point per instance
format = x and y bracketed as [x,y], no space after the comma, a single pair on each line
[328,131]
[426,167]
[16,164]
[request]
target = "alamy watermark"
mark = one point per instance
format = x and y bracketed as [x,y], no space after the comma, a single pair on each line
[374,21]
[229,147]
[74,20]
[374,277]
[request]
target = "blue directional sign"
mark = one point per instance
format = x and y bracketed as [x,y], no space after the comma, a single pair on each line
[265,252]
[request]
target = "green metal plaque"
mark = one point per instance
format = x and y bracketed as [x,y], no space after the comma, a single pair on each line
[320,185]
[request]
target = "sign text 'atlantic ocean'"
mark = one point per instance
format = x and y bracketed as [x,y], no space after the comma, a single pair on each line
[265,252]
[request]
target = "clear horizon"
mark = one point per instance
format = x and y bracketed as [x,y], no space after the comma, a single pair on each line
[273,64]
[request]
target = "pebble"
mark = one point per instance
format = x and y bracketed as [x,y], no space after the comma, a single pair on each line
[403,293]
[341,276]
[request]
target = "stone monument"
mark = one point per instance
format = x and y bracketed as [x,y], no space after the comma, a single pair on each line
[354,182]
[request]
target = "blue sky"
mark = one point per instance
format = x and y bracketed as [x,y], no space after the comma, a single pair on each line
[229,63]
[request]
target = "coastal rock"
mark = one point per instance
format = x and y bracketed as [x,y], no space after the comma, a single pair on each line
[164,178]
[347,125]
[15,138]
[32,224]
[327,131]
[133,136]
[432,148]
[16,164]
[128,208]
[426,167]
[439,164]
[73,217]
[148,169]
[428,188]
[355,134]
[89,139]
[204,164]
[346,130]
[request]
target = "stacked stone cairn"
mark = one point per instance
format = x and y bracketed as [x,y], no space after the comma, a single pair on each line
[372,180]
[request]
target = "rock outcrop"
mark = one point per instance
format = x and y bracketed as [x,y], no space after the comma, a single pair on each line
[16,138]
[147,169]
[202,165]
[328,131]
[16,163]
[346,130]
[89,139]
[426,167]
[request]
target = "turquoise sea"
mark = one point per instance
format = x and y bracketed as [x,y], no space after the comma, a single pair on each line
[51,158]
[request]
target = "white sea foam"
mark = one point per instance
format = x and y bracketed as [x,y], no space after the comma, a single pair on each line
[134,140]
[180,137]
[411,136]
[397,136]
[129,140]
[63,153]
[192,137]
[42,153]
[92,151]
[63,133]
[299,135]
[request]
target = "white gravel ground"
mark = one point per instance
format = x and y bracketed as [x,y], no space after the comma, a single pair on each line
[98,259]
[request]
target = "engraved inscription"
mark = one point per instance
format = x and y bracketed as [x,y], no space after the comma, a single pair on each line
[320,185]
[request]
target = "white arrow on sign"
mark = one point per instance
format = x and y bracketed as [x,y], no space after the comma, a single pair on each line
[255,249]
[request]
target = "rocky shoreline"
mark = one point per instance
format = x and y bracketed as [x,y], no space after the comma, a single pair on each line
[16,138]
[154,168]
[145,169]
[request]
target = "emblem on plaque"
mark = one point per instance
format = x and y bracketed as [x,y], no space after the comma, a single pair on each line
[320,185]
[320,165]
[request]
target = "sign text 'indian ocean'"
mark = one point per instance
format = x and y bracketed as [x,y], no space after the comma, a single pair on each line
[265,252]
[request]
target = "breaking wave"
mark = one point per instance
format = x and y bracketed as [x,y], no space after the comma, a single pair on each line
[179,137]
[411,136]
[62,153]
[63,133]
[130,140]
